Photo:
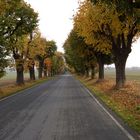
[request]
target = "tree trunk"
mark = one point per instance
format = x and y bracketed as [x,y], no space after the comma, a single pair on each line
[40,69]
[121,49]
[49,71]
[31,69]
[20,75]
[92,72]
[19,68]
[32,73]
[52,72]
[45,71]
[100,59]
[101,70]
[120,72]
[87,71]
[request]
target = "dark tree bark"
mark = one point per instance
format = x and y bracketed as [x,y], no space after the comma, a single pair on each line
[31,69]
[19,67]
[52,72]
[32,73]
[100,60]
[101,70]
[40,69]
[120,71]
[121,51]
[20,75]
[93,72]
[49,71]
[45,71]
[87,71]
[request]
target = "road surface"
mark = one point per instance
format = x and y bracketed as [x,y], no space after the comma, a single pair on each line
[60,109]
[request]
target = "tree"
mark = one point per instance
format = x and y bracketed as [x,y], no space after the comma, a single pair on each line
[50,52]
[3,61]
[41,50]
[73,59]
[3,51]
[47,67]
[89,55]
[17,20]
[31,65]
[113,33]
[38,51]
[51,48]
[58,64]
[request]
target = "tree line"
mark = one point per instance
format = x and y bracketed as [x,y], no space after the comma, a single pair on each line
[103,33]
[21,40]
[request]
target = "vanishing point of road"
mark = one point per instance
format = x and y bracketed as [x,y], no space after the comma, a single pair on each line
[59,109]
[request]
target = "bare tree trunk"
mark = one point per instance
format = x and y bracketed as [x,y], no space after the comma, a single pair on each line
[40,69]
[120,72]
[32,73]
[121,51]
[101,70]
[86,71]
[100,59]
[92,72]
[19,68]
[45,71]
[20,75]
[31,69]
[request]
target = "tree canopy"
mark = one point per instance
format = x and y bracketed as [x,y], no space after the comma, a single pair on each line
[17,20]
[109,27]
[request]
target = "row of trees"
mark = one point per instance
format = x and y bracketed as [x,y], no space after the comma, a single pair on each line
[20,38]
[103,33]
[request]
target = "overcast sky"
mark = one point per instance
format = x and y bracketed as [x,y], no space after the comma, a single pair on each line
[56,23]
[55,18]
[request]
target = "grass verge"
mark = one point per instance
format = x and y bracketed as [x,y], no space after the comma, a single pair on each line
[11,89]
[125,102]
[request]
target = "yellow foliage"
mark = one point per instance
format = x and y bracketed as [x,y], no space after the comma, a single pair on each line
[88,22]
[48,62]
[96,22]
[37,46]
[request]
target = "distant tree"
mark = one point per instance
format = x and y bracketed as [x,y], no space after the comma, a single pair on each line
[58,64]
[50,50]
[38,52]
[73,59]
[42,49]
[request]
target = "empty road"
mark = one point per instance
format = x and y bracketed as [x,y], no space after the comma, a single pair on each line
[60,109]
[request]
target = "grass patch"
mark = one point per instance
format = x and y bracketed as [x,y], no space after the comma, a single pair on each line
[125,102]
[13,88]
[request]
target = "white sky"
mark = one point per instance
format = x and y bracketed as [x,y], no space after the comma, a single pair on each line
[55,18]
[56,23]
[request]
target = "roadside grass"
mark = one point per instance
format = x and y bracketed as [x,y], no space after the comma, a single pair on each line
[125,102]
[11,89]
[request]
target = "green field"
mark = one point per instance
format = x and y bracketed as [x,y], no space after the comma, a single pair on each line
[10,77]
[131,73]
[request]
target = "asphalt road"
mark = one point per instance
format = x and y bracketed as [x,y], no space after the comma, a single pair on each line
[60,109]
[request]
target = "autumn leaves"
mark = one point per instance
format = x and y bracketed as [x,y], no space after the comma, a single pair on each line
[21,39]
[108,29]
